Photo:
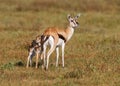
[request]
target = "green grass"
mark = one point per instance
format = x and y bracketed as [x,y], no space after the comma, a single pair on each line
[92,56]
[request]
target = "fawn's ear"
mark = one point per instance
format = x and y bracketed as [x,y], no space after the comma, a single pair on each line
[68,16]
[78,15]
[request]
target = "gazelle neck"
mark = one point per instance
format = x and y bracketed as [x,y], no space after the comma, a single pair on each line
[70,31]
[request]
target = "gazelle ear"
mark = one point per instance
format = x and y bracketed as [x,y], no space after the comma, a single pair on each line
[78,15]
[68,16]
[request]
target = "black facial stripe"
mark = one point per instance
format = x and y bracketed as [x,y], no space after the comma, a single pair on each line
[73,21]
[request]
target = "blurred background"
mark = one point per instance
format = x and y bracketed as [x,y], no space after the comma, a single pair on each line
[60,5]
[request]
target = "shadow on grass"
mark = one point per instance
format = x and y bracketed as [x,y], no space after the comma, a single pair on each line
[22,64]
[19,64]
[12,65]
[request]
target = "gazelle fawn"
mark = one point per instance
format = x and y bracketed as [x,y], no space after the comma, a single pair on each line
[34,49]
[55,38]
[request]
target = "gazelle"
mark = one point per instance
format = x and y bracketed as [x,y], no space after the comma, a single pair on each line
[56,37]
[34,48]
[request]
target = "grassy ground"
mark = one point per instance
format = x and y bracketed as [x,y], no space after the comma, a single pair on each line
[92,56]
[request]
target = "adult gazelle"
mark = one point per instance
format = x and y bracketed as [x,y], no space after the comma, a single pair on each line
[55,38]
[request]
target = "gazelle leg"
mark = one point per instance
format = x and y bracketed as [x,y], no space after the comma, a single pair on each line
[57,57]
[29,59]
[48,55]
[37,57]
[63,46]
[44,52]
[43,56]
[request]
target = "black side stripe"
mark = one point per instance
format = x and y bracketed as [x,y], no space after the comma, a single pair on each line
[62,37]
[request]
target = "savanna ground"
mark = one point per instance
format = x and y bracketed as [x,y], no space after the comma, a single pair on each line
[92,56]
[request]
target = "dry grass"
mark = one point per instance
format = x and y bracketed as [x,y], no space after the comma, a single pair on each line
[92,56]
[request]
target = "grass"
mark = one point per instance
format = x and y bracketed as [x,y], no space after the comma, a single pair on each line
[92,56]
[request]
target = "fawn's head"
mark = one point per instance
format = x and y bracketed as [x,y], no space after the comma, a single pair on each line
[38,40]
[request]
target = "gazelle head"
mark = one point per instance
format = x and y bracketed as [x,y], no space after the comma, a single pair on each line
[73,20]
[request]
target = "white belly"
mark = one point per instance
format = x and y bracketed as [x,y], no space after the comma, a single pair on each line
[60,42]
[50,42]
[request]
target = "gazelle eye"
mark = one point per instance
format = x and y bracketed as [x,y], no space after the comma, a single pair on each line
[71,20]
[77,23]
